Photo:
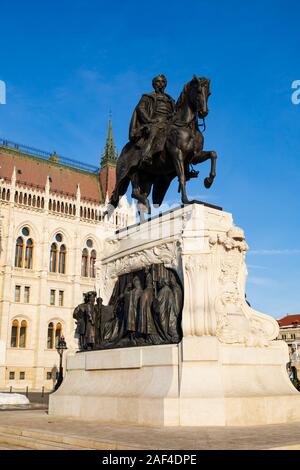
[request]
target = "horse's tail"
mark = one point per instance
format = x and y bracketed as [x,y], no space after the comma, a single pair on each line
[119,191]
[115,197]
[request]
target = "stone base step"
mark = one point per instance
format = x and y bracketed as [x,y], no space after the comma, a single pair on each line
[40,440]
[15,440]
[11,447]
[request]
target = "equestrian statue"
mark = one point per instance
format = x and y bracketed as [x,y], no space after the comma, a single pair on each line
[164,142]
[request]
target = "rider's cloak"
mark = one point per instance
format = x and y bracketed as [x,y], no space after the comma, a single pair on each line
[143,113]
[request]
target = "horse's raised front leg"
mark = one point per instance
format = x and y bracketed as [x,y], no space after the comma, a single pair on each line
[210,179]
[202,157]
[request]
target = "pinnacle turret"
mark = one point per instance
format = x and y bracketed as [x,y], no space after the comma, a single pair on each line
[110,153]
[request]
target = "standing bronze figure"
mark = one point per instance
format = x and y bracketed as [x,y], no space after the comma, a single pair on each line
[79,316]
[134,307]
[90,331]
[166,315]
[85,316]
[98,320]
[164,141]
[145,322]
[177,292]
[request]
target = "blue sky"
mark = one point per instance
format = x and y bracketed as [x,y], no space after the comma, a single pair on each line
[67,63]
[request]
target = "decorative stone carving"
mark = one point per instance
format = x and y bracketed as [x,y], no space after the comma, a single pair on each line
[166,253]
[234,238]
[237,322]
[234,326]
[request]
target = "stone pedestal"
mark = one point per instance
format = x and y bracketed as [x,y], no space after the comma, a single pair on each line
[227,370]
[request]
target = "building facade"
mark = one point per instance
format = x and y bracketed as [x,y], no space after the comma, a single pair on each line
[289,329]
[52,233]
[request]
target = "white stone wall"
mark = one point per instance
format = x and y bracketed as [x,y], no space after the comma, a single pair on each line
[36,360]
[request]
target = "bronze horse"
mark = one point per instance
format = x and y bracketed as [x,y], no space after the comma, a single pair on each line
[183,147]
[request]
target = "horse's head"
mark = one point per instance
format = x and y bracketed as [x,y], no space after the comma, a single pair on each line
[198,92]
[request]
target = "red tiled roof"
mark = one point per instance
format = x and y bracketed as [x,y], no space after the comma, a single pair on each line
[289,320]
[33,172]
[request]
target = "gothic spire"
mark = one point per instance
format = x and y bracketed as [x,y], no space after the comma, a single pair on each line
[110,153]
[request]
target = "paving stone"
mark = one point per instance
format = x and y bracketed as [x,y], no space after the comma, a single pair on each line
[74,433]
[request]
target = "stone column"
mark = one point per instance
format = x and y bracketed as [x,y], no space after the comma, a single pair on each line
[8,244]
[196,319]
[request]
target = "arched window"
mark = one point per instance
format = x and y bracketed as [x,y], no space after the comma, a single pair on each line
[50,336]
[23,331]
[62,259]
[92,263]
[29,254]
[53,258]
[54,333]
[19,252]
[58,253]
[84,262]
[18,337]
[88,260]
[58,333]
[14,334]
[24,250]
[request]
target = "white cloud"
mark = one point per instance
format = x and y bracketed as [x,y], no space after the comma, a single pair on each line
[286,251]
[262,281]
[256,266]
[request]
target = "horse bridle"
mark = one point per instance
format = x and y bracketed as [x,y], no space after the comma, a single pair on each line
[188,124]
